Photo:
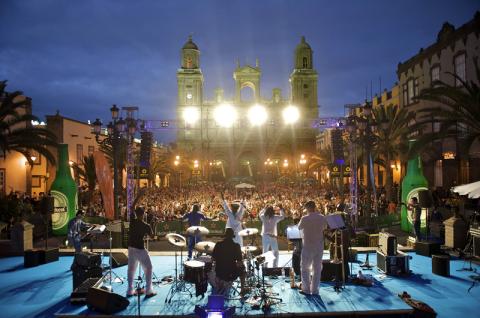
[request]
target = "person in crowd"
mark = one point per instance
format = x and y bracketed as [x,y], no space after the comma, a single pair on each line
[416,211]
[234,214]
[75,228]
[227,256]
[313,225]
[193,218]
[269,230]
[138,254]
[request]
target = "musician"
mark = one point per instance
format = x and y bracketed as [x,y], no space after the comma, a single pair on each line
[75,228]
[138,254]
[269,230]
[416,210]
[193,218]
[234,214]
[313,224]
[228,260]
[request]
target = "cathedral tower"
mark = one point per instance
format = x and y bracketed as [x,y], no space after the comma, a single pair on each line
[190,77]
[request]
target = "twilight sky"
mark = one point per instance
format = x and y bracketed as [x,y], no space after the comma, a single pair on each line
[83,56]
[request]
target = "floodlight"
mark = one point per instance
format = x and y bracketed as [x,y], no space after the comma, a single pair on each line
[225,115]
[257,115]
[290,114]
[191,115]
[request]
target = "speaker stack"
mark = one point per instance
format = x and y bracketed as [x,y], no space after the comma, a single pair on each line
[85,265]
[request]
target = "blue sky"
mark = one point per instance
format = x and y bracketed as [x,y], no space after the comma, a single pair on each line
[82,56]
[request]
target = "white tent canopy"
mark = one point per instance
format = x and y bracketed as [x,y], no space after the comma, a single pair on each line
[244,186]
[470,189]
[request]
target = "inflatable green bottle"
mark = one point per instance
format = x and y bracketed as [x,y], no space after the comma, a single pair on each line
[413,182]
[64,193]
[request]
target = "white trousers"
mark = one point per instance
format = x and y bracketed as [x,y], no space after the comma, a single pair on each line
[141,256]
[311,260]
[268,243]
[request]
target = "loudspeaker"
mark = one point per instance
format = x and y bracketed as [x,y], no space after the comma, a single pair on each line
[87,259]
[79,295]
[387,243]
[106,302]
[441,265]
[393,265]
[425,199]
[119,259]
[337,145]
[331,271]
[427,248]
[81,274]
[48,256]
[31,258]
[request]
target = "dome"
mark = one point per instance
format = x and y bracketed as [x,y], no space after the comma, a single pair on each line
[190,45]
[303,44]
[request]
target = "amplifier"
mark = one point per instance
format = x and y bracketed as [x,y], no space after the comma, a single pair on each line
[427,248]
[79,295]
[387,243]
[49,255]
[393,265]
[81,274]
[331,271]
[87,259]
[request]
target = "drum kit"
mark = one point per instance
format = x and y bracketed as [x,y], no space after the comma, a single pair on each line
[196,270]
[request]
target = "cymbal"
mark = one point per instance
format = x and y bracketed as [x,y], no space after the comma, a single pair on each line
[176,239]
[205,246]
[248,232]
[249,249]
[193,230]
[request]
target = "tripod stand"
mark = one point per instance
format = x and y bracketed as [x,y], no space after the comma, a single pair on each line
[267,299]
[178,284]
[138,289]
[109,273]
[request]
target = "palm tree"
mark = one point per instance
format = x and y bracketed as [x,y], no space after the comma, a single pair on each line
[16,130]
[87,173]
[160,165]
[390,141]
[321,159]
[457,110]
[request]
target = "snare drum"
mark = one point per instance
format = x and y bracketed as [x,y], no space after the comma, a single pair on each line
[194,272]
[207,259]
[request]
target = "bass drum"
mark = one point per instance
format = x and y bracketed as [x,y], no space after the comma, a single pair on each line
[194,272]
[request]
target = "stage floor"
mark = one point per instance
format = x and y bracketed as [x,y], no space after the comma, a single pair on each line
[44,291]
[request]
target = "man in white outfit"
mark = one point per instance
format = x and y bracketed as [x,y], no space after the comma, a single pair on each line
[234,214]
[269,230]
[138,254]
[313,224]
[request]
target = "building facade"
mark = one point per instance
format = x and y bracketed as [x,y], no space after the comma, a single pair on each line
[241,133]
[454,52]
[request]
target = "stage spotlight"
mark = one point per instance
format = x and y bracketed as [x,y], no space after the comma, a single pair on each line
[215,308]
[290,115]
[191,115]
[225,115]
[257,115]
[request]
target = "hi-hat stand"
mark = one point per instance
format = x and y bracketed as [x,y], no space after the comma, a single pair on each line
[109,273]
[267,299]
[178,284]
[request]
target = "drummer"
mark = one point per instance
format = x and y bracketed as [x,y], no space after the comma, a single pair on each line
[234,214]
[193,218]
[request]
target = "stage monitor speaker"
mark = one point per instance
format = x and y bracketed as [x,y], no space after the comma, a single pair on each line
[31,258]
[105,302]
[387,243]
[48,256]
[394,265]
[425,199]
[441,265]
[87,259]
[427,248]
[331,271]
[119,259]
[81,274]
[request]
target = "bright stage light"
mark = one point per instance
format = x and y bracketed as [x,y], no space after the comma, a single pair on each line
[290,115]
[191,115]
[225,115]
[257,115]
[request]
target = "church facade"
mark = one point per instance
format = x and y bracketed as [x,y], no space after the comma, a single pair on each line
[236,137]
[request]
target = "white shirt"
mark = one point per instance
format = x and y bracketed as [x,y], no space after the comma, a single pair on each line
[234,221]
[313,225]
[269,225]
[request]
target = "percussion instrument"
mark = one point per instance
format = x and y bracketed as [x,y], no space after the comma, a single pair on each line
[194,272]
[207,260]
[205,247]
[197,230]
[248,232]
[246,249]
[176,240]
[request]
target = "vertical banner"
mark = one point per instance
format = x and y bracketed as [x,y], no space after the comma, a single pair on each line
[105,182]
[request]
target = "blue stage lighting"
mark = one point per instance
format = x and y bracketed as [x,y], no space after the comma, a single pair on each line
[215,308]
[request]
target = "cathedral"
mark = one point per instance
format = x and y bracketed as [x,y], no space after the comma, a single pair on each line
[246,137]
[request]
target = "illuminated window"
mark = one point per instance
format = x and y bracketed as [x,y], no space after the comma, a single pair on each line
[79,153]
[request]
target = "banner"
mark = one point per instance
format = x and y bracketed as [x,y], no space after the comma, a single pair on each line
[105,182]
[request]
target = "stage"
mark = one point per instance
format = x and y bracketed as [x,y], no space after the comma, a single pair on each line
[44,291]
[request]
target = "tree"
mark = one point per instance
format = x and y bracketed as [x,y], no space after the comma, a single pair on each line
[320,160]
[16,130]
[88,174]
[390,141]
[456,109]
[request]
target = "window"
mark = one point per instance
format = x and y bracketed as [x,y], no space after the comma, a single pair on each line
[436,126]
[2,180]
[405,94]
[91,149]
[305,85]
[36,181]
[435,73]
[410,91]
[79,153]
[459,68]
[415,87]
[305,62]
